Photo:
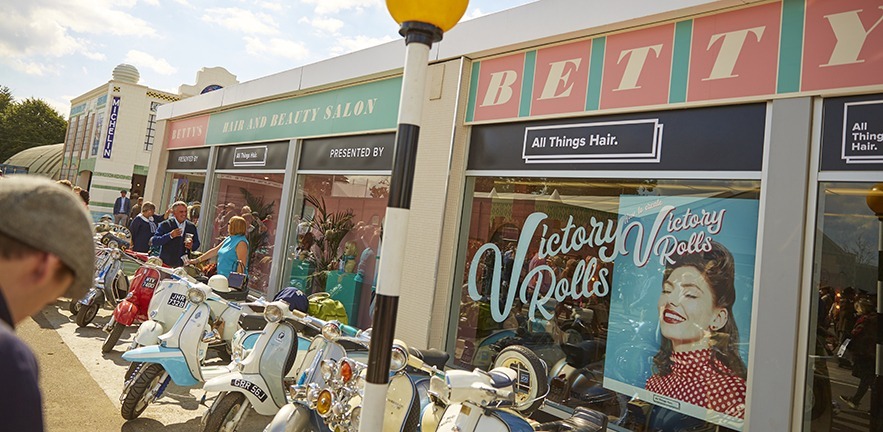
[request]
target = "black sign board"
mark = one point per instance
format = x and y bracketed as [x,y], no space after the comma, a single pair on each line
[353,153]
[852,133]
[194,159]
[244,157]
[727,138]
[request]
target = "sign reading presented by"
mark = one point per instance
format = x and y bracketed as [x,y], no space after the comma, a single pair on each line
[189,159]
[353,153]
[607,142]
[863,132]
[252,156]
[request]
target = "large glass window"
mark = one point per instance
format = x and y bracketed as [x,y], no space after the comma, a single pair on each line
[185,187]
[256,198]
[636,293]
[335,239]
[840,375]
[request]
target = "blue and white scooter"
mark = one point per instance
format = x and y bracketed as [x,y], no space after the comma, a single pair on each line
[181,352]
[257,379]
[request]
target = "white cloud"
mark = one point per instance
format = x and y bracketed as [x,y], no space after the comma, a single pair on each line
[355,43]
[473,14]
[152,2]
[242,20]
[63,106]
[32,31]
[275,7]
[145,60]
[276,47]
[325,7]
[330,25]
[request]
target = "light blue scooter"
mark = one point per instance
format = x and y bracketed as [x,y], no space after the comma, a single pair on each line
[180,354]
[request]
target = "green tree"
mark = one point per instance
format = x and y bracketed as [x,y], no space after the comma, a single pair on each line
[26,124]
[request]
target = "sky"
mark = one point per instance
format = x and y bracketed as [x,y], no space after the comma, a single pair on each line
[56,50]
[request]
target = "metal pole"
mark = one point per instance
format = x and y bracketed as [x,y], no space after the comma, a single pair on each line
[877,388]
[418,40]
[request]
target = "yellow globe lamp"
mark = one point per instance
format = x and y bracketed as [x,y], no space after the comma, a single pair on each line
[444,14]
[875,199]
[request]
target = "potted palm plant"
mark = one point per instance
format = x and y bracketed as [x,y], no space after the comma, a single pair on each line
[330,228]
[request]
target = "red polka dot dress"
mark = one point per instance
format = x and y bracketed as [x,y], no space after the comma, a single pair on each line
[699,379]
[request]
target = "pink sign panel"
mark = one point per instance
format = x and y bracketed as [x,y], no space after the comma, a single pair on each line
[735,54]
[843,40]
[637,68]
[188,133]
[499,88]
[561,79]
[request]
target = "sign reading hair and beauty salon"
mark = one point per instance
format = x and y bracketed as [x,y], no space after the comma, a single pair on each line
[354,153]
[756,51]
[195,159]
[852,133]
[699,139]
[111,127]
[253,157]
[367,107]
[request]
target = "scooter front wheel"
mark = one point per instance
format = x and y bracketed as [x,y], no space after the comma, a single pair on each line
[73,307]
[115,332]
[227,413]
[86,314]
[139,394]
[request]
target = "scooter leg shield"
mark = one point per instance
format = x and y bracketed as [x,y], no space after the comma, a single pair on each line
[291,418]
[125,313]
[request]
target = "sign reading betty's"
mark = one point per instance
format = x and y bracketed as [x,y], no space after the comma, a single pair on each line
[852,133]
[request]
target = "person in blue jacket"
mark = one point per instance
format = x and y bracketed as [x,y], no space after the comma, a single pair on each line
[176,236]
[143,227]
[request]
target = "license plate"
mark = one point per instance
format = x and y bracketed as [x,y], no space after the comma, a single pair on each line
[149,282]
[177,300]
[249,387]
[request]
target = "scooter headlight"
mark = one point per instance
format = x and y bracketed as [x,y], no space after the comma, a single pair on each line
[324,403]
[273,313]
[195,295]
[356,416]
[328,369]
[399,359]
[331,331]
[346,368]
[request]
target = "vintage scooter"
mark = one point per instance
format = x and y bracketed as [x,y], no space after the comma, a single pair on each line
[110,286]
[257,379]
[137,303]
[179,357]
[476,401]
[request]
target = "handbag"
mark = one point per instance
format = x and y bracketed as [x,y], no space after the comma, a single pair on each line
[324,307]
[237,280]
[841,351]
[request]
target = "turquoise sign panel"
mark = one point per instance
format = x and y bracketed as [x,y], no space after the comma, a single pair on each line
[368,107]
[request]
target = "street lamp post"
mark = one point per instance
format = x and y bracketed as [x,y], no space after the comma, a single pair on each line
[875,203]
[423,23]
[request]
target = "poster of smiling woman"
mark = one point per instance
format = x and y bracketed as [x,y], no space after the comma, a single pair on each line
[681,296]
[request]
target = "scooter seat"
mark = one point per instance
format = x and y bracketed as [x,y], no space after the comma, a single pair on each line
[234,295]
[582,354]
[431,357]
[500,379]
[252,322]
[582,420]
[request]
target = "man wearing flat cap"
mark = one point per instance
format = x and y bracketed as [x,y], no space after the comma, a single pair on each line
[46,249]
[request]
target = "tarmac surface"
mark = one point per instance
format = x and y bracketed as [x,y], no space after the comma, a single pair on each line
[81,386]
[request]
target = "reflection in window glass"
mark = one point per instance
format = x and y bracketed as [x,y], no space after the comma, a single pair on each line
[335,239]
[843,307]
[254,197]
[636,294]
[185,187]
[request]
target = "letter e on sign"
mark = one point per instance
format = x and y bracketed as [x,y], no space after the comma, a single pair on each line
[561,79]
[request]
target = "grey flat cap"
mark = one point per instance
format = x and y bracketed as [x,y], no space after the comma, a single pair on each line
[41,214]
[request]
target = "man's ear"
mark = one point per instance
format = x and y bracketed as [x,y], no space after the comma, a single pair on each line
[40,268]
[720,319]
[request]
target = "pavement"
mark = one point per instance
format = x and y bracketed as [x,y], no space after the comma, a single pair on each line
[81,386]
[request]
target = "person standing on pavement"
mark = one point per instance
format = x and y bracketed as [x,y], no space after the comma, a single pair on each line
[36,267]
[121,208]
[863,347]
[136,209]
[143,227]
[176,236]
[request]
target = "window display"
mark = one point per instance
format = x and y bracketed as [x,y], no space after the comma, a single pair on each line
[637,294]
[335,239]
[843,308]
[185,187]
[254,197]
